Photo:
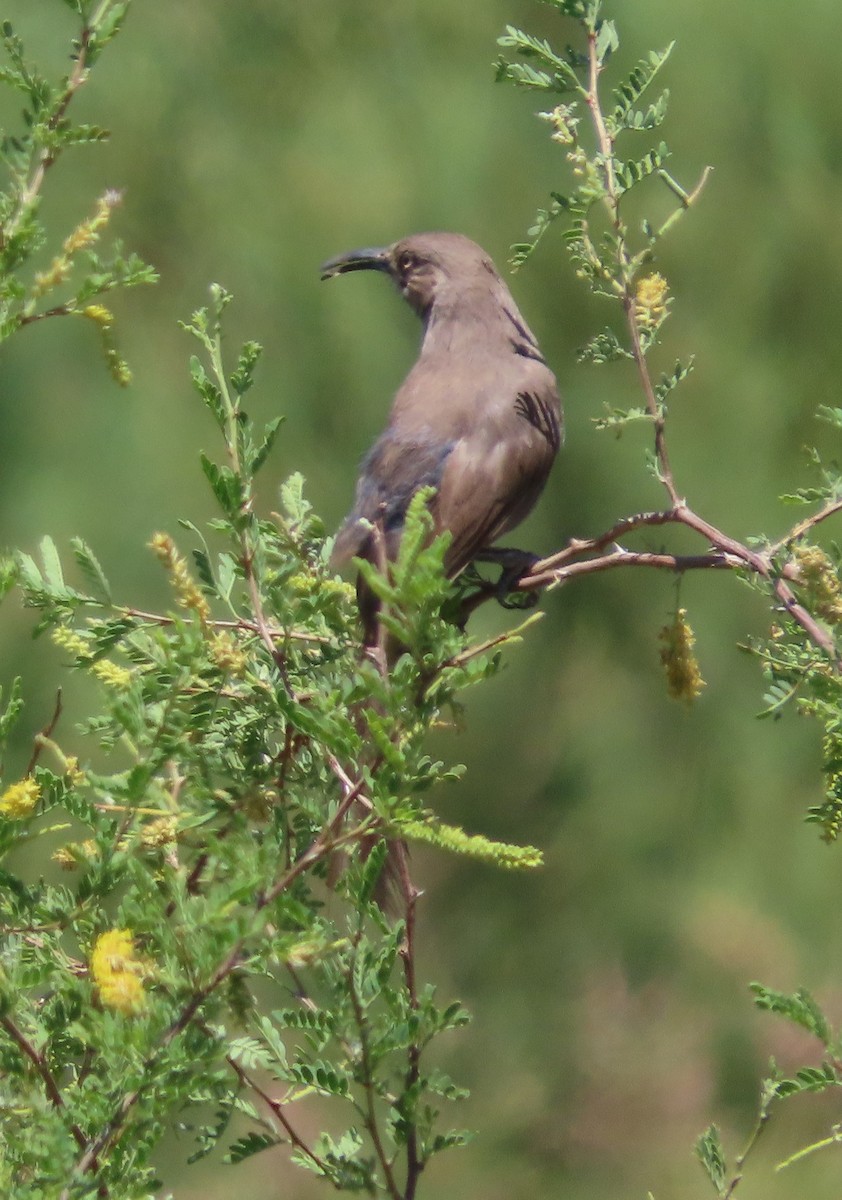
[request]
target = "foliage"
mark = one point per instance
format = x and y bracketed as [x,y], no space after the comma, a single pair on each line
[233,847]
[76,276]
[221,935]
[614,257]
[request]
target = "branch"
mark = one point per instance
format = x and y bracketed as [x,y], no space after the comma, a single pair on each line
[45,734]
[40,1064]
[324,844]
[276,1107]
[410,894]
[584,556]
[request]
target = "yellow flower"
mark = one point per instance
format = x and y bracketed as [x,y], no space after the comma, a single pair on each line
[186,589]
[124,992]
[75,854]
[160,832]
[684,679]
[227,654]
[84,235]
[99,313]
[19,799]
[111,675]
[69,639]
[73,773]
[65,858]
[650,301]
[816,574]
[117,972]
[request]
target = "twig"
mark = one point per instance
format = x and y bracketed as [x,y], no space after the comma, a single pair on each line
[370,1112]
[414,1163]
[760,1124]
[829,510]
[295,635]
[40,1064]
[323,844]
[45,734]
[77,77]
[277,1109]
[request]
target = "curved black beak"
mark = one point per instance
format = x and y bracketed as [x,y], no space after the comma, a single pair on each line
[356,260]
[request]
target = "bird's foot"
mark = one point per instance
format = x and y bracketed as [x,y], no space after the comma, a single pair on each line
[514,564]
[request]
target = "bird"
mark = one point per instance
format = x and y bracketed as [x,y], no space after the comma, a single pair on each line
[478,418]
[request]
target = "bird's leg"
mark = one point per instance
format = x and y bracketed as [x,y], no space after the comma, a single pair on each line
[513,564]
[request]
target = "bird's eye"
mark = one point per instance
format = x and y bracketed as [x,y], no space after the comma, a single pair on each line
[406,261]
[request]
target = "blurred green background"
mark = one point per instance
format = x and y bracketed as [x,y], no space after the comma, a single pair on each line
[254,140]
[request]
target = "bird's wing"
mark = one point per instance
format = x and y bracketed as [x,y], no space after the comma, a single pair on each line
[392,472]
[497,470]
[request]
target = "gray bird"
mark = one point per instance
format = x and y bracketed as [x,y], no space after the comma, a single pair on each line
[478,417]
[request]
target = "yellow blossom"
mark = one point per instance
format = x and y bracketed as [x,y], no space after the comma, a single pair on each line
[73,772]
[69,639]
[65,858]
[75,854]
[160,832]
[227,654]
[117,972]
[99,313]
[684,679]
[19,799]
[84,235]
[563,120]
[650,301]
[186,589]
[816,574]
[111,675]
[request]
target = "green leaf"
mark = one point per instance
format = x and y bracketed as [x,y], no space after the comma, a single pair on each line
[106,28]
[204,569]
[209,392]
[799,1007]
[808,1079]
[649,118]
[53,573]
[250,1144]
[617,419]
[90,568]
[632,172]
[226,486]
[607,40]
[371,871]
[679,372]
[532,47]
[13,709]
[602,348]
[711,1155]
[261,453]
[521,251]
[833,416]
[243,376]
[525,76]
[631,90]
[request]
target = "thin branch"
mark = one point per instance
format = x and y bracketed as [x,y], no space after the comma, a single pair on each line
[45,734]
[140,614]
[370,1111]
[46,158]
[40,1065]
[277,1107]
[829,510]
[621,557]
[410,894]
[606,151]
[322,845]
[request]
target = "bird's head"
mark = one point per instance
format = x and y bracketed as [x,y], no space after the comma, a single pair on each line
[426,267]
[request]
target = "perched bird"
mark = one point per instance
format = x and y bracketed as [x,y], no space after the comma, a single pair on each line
[478,417]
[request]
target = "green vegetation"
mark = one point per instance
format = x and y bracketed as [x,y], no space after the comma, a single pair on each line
[209,949]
